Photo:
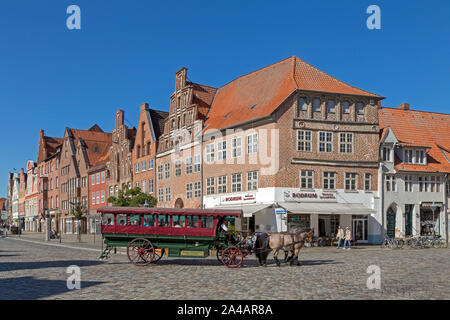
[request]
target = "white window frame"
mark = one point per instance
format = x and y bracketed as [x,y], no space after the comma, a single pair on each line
[346,143]
[177,168]
[210,153]
[222,184]
[304,144]
[252,143]
[307,176]
[351,181]
[386,154]
[314,107]
[236,184]
[197,189]
[197,163]
[333,108]
[160,172]
[222,150]
[167,170]
[367,181]
[408,183]
[330,177]
[161,195]
[325,142]
[236,147]
[188,164]
[210,185]
[189,190]
[346,110]
[150,186]
[252,180]
[168,194]
[359,108]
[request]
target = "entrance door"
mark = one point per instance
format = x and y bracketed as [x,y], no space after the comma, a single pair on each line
[390,227]
[408,220]
[360,230]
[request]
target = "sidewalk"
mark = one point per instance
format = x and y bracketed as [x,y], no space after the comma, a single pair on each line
[88,241]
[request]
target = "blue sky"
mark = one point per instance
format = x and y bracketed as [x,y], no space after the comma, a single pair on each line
[128,51]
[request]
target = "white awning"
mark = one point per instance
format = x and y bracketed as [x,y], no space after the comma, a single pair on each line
[247,209]
[326,208]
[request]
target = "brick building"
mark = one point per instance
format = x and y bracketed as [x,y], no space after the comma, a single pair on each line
[150,126]
[48,158]
[289,138]
[414,168]
[120,165]
[21,199]
[81,150]
[31,198]
[179,150]
[98,177]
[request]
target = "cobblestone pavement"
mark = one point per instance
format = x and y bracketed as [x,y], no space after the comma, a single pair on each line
[37,271]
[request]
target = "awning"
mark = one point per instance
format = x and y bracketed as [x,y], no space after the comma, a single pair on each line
[326,208]
[247,209]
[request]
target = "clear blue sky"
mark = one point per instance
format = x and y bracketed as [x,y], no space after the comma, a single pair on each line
[128,51]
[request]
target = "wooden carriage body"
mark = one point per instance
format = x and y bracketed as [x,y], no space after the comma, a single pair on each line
[176,232]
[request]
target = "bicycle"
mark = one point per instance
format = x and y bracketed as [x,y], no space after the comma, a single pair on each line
[389,242]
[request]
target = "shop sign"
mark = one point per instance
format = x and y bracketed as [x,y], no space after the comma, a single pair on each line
[238,198]
[280,211]
[301,196]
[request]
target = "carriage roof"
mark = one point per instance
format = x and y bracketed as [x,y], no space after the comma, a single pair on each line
[171,211]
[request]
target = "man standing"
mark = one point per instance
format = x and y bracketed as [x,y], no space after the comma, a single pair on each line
[340,236]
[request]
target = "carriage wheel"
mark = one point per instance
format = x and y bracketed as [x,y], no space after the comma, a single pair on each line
[232,257]
[140,252]
[219,254]
[159,253]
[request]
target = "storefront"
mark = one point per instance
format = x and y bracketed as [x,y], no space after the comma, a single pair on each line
[324,213]
[430,222]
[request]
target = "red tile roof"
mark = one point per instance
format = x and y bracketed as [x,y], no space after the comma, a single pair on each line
[420,129]
[266,88]
[97,143]
[203,96]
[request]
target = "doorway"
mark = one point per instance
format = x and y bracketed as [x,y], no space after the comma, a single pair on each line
[360,229]
[390,225]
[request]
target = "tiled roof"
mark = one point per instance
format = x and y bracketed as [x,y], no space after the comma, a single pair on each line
[52,144]
[158,118]
[203,96]
[420,129]
[97,143]
[259,93]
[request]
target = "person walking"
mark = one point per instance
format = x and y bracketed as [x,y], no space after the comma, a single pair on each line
[339,236]
[348,238]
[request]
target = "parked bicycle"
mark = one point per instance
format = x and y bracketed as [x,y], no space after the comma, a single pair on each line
[391,243]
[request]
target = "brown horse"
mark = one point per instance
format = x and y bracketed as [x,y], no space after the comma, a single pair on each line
[288,242]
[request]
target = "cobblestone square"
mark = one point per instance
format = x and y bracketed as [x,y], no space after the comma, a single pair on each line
[33,270]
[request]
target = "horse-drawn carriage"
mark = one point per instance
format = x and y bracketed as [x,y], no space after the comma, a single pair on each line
[150,233]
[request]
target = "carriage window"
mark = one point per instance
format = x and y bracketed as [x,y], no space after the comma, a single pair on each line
[163,220]
[207,222]
[108,219]
[178,221]
[192,221]
[149,220]
[135,220]
[122,219]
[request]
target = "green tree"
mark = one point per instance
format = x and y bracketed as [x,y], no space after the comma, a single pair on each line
[132,198]
[77,210]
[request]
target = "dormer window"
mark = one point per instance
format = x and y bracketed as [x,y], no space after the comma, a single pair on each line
[414,156]
[420,157]
[386,154]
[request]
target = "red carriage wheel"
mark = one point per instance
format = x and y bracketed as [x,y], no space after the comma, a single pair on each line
[140,252]
[232,257]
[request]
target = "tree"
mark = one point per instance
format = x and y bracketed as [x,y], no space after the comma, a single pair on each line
[77,210]
[132,198]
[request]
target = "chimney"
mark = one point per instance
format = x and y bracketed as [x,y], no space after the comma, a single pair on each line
[41,133]
[144,106]
[403,106]
[120,117]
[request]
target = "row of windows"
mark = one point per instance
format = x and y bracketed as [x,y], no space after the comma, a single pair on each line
[160,220]
[329,180]
[219,184]
[219,150]
[190,167]
[145,151]
[48,167]
[98,197]
[143,186]
[142,166]
[423,183]
[410,156]
[316,103]
[97,178]
[325,141]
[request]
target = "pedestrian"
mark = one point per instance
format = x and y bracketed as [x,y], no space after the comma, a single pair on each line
[339,236]
[348,238]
